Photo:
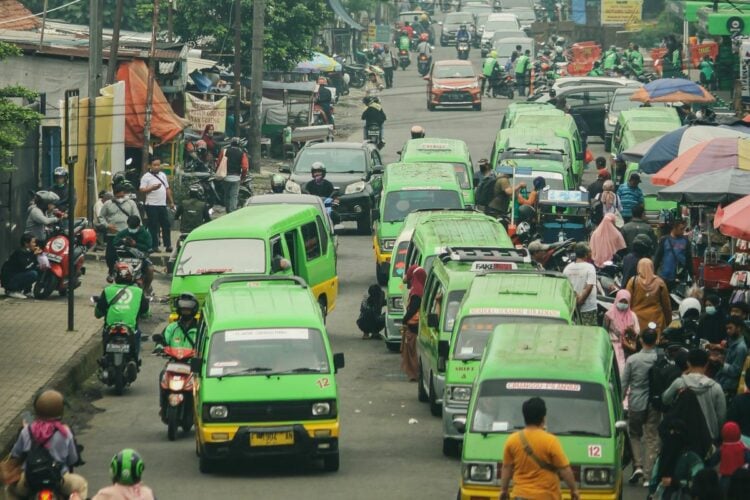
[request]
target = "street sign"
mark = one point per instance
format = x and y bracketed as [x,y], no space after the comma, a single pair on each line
[71,126]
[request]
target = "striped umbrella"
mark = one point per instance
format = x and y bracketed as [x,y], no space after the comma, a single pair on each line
[733,219]
[672,90]
[724,153]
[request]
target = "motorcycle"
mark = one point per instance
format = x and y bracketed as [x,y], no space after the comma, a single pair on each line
[373,135]
[423,64]
[403,59]
[58,252]
[462,49]
[177,383]
[134,257]
[319,116]
[214,191]
[119,365]
[504,85]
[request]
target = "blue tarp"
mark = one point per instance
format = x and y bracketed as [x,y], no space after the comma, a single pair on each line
[578,12]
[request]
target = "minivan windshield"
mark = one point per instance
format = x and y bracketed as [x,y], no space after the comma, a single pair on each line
[475,331]
[222,256]
[498,407]
[266,351]
[399,204]
[336,160]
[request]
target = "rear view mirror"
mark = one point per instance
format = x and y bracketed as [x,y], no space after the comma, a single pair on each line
[338,361]
[621,425]
[443,348]
[195,365]
[285,169]
[433,320]
[377,169]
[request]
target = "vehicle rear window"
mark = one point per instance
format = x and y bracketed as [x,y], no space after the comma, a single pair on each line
[222,256]
[399,204]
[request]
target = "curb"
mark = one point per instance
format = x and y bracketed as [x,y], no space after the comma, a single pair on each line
[68,379]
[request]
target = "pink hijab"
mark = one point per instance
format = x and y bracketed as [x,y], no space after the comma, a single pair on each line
[606,241]
[622,320]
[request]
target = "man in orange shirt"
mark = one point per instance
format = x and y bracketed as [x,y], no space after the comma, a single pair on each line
[535,460]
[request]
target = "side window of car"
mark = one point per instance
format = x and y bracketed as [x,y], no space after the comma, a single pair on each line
[427,304]
[323,235]
[599,97]
[575,99]
[376,158]
[311,240]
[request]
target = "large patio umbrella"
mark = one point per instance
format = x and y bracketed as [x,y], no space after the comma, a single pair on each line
[724,153]
[733,220]
[318,63]
[672,90]
[671,145]
[720,187]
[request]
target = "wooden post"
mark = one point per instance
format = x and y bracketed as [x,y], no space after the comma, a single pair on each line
[237,66]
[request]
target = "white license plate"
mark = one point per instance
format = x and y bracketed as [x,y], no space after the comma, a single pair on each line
[54,258]
[132,262]
[122,348]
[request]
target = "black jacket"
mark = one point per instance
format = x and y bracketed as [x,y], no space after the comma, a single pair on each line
[62,192]
[324,189]
[19,261]
[374,114]
[324,96]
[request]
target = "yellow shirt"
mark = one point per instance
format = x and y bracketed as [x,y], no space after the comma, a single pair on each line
[529,480]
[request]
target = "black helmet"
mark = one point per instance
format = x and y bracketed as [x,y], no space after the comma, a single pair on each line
[642,245]
[278,182]
[186,301]
[196,191]
[123,186]
[118,178]
[526,213]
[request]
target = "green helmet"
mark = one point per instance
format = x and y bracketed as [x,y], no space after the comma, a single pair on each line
[126,467]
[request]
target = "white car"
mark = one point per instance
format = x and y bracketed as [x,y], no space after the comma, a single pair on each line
[499,22]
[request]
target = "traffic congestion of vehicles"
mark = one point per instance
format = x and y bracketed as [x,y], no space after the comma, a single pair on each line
[491,229]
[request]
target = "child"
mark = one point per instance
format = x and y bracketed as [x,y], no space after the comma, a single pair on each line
[371,318]
[733,454]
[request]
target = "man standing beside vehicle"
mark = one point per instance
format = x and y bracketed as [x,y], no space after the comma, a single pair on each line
[582,276]
[237,166]
[489,71]
[155,185]
[522,68]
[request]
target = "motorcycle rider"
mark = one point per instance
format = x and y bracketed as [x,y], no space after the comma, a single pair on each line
[126,471]
[192,212]
[417,132]
[324,99]
[611,59]
[559,55]
[137,236]
[203,159]
[114,216]
[408,30]
[424,48]
[373,115]
[404,41]
[39,217]
[596,70]
[463,35]
[490,70]
[319,185]
[635,59]
[48,433]
[278,183]
[122,302]
[60,188]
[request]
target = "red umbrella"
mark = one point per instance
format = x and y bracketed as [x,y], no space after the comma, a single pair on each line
[733,219]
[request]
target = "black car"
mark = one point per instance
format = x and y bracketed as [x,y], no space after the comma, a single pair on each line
[453,21]
[354,168]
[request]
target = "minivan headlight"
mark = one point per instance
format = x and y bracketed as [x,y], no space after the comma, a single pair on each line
[387,245]
[292,187]
[598,475]
[321,408]
[481,473]
[461,393]
[220,411]
[355,187]
[397,303]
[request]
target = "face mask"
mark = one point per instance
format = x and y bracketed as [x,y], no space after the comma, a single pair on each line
[710,310]
[132,231]
[622,306]
[121,198]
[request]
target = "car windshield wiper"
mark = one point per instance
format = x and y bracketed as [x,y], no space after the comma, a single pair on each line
[350,172]
[298,370]
[253,369]
[200,272]
[578,433]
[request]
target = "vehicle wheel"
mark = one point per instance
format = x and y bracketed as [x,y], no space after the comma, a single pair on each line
[510,94]
[331,462]
[435,408]
[206,465]
[323,303]
[364,223]
[172,423]
[422,395]
[608,145]
[119,380]
[44,287]
[477,107]
[393,346]
[381,276]
[451,447]
[187,417]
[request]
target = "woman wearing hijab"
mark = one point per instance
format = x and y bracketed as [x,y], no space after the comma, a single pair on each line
[415,282]
[606,241]
[649,297]
[622,325]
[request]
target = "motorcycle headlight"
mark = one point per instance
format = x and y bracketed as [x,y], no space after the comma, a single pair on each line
[460,393]
[598,475]
[322,408]
[220,411]
[292,187]
[397,303]
[176,384]
[387,245]
[355,187]
[481,473]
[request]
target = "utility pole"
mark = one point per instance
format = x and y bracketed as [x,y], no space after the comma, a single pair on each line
[150,88]
[256,84]
[170,21]
[95,82]
[237,66]
[115,44]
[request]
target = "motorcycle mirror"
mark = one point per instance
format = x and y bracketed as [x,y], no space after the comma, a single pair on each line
[158,338]
[129,161]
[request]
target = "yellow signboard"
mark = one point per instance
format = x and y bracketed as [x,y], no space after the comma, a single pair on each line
[621,12]
[371,31]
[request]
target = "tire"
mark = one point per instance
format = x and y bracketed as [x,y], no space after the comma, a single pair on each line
[393,346]
[477,107]
[381,276]
[119,382]
[187,416]
[364,223]
[206,465]
[422,395]
[172,422]
[45,285]
[331,462]
[435,409]
[451,447]
[323,303]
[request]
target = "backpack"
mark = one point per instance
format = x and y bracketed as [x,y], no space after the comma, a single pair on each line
[486,191]
[660,376]
[42,471]
[687,408]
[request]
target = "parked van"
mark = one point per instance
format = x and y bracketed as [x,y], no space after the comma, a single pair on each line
[453,151]
[517,108]
[408,187]
[265,374]
[574,370]
[500,298]
[641,124]
[261,240]
[562,125]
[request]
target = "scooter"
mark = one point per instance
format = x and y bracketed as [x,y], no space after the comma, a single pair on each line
[462,49]
[423,64]
[503,85]
[135,258]
[177,383]
[403,59]
[214,190]
[357,75]
[373,135]
[119,365]
[57,251]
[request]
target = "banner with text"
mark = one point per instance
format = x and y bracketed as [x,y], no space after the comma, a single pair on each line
[201,113]
[622,12]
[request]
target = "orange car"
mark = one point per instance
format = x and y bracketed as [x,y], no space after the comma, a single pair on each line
[453,83]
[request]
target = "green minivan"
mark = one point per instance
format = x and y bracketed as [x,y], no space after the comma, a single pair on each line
[265,380]
[408,187]
[507,297]
[516,109]
[641,124]
[282,239]
[453,151]
[574,370]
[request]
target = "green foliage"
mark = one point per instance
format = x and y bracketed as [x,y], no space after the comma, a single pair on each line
[136,14]
[15,120]
[651,35]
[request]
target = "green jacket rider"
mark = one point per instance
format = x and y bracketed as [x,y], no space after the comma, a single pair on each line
[183,333]
[129,306]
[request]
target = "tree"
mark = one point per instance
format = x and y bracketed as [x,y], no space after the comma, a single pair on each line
[15,119]
[290,28]
[136,13]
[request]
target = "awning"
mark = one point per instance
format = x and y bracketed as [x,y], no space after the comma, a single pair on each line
[344,15]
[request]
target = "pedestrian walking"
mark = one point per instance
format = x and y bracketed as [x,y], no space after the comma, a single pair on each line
[622,325]
[712,325]
[534,459]
[641,249]
[650,299]
[643,420]
[732,454]
[606,241]
[237,166]
[734,357]
[602,175]
[739,409]
[674,256]
[415,278]
[607,202]
[630,195]
[387,63]
[582,276]
[155,185]
[636,226]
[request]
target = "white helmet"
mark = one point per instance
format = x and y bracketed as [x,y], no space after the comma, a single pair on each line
[688,304]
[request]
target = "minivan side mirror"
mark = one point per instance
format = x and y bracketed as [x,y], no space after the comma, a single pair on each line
[285,169]
[377,169]
[621,425]
[432,320]
[338,361]
[460,424]
[195,365]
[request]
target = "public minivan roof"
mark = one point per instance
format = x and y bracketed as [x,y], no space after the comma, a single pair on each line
[419,175]
[519,290]
[252,221]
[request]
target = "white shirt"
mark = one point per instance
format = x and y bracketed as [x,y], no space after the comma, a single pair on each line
[580,275]
[157,197]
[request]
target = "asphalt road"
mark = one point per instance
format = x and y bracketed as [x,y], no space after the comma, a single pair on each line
[390,444]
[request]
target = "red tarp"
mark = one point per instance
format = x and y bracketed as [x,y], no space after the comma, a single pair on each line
[165,124]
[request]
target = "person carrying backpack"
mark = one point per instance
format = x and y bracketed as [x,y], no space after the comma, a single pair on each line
[47,449]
